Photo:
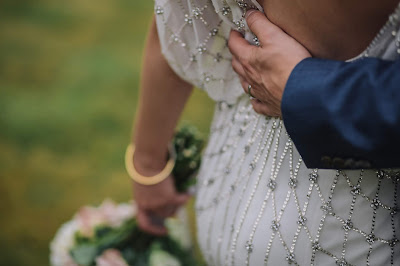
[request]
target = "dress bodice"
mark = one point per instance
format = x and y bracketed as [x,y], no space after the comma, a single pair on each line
[194,35]
[257,203]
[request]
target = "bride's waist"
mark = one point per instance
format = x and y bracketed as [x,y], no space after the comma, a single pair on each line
[237,128]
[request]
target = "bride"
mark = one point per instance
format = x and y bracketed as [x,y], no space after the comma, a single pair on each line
[257,203]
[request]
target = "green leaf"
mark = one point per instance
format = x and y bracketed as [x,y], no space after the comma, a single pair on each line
[84,254]
[163,258]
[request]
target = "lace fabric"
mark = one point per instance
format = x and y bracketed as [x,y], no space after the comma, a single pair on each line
[257,203]
[194,36]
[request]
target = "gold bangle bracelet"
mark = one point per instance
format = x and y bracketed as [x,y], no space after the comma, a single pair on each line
[147,180]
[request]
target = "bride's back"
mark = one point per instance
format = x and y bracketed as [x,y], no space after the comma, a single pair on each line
[334,29]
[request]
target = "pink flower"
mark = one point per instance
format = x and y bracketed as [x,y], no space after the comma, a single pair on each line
[111,257]
[114,214]
[108,213]
[88,218]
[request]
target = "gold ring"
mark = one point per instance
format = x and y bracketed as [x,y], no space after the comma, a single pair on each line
[249,91]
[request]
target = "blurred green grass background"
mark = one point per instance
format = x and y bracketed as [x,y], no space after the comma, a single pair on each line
[69,74]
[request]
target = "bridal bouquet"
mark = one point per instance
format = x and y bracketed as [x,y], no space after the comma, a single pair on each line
[108,235]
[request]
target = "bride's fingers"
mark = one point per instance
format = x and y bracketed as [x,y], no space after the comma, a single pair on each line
[149,225]
[181,199]
[171,207]
[165,211]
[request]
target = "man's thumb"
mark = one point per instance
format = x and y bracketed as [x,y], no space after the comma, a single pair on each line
[249,12]
[258,23]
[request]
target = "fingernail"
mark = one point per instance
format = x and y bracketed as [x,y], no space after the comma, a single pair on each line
[249,12]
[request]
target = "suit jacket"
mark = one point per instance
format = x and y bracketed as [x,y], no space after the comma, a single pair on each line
[344,114]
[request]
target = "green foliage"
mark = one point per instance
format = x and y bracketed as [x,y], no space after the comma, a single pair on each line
[87,249]
[135,245]
[188,144]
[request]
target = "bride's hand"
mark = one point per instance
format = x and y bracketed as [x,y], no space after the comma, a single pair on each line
[266,68]
[156,202]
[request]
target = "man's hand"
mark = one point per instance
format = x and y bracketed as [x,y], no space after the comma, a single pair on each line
[267,67]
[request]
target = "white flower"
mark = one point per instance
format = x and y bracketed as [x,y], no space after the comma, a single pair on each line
[111,257]
[178,229]
[162,258]
[62,243]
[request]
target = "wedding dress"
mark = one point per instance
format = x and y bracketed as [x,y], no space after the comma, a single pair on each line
[257,203]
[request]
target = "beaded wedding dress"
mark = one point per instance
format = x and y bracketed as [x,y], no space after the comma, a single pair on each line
[257,203]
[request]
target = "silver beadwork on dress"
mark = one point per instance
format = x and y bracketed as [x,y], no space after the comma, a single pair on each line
[193,36]
[257,203]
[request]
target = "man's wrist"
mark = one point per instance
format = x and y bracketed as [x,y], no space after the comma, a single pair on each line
[291,69]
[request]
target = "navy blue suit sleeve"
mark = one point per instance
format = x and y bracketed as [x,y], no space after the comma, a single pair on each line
[344,114]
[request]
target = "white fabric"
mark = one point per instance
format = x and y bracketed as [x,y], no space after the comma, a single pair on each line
[252,174]
[181,41]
